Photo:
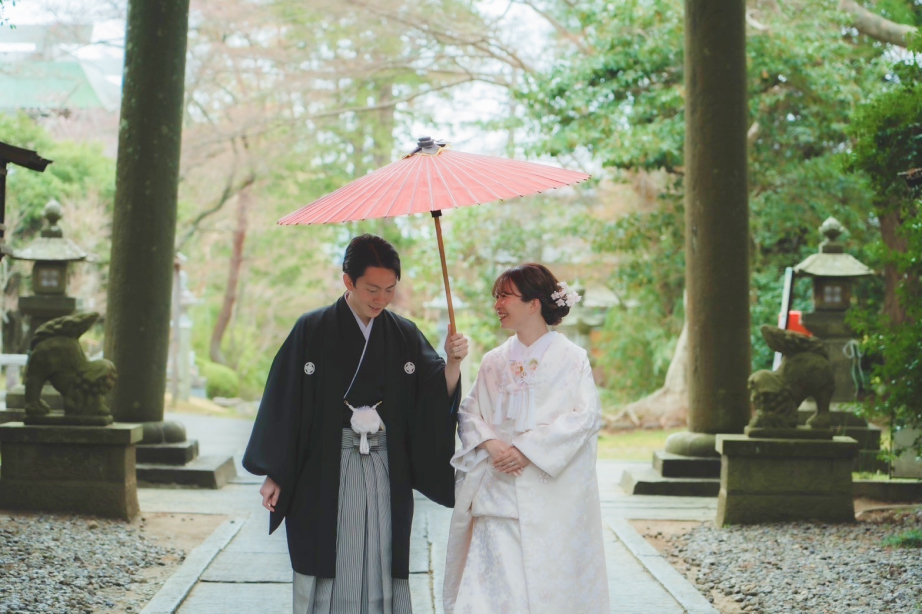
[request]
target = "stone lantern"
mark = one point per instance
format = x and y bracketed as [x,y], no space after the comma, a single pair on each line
[588,314]
[52,255]
[834,273]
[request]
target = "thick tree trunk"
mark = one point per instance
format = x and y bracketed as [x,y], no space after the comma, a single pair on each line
[144,220]
[233,277]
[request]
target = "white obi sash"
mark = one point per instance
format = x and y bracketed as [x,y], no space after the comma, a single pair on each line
[519,387]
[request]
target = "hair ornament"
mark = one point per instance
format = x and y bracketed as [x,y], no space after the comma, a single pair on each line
[565,297]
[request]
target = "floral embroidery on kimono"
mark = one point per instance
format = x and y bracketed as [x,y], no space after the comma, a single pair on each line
[538,537]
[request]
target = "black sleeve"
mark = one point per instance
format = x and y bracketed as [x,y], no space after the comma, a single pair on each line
[432,431]
[280,426]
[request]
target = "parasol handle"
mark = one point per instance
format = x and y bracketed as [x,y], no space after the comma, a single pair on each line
[451,310]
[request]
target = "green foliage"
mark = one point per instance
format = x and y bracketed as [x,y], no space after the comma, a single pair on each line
[908,539]
[79,171]
[3,19]
[623,104]
[888,140]
[635,348]
[221,381]
[481,242]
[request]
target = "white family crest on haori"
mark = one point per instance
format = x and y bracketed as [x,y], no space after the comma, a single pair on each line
[309,368]
[548,519]
[365,421]
[410,368]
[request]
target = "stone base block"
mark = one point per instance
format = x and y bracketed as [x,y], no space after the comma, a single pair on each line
[760,432]
[168,453]
[648,481]
[58,418]
[107,500]
[204,472]
[16,398]
[688,443]
[679,466]
[868,437]
[775,480]
[887,490]
[83,470]
[839,417]
[11,415]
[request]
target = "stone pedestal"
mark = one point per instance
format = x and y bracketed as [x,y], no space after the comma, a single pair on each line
[775,480]
[167,458]
[674,475]
[75,469]
[846,423]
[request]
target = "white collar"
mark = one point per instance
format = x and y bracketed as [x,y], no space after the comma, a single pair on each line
[365,328]
[520,352]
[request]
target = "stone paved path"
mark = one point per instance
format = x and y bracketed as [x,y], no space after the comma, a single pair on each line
[251,573]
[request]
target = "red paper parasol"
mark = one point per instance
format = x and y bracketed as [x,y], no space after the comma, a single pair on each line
[429,180]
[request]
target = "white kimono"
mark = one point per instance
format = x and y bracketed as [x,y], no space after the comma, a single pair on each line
[529,544]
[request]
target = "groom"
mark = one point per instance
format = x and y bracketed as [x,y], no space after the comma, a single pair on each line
[348,505]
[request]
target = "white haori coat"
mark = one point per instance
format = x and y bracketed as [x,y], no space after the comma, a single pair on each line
[556,499]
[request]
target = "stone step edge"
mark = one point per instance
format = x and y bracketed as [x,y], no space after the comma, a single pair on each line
[683,591]
[177,587]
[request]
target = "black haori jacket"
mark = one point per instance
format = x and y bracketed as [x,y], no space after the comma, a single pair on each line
[297,435]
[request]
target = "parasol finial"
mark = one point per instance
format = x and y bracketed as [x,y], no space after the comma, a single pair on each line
[428,145]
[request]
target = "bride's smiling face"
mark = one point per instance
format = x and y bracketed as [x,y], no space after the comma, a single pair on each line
[511,310]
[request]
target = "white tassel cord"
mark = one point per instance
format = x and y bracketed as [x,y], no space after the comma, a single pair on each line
[365,421]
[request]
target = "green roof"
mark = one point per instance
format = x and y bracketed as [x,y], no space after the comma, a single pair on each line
[50,85]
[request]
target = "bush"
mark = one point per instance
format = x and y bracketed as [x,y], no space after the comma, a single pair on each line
[887,133]
[220,381]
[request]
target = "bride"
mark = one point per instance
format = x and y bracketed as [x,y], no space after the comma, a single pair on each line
[526,531]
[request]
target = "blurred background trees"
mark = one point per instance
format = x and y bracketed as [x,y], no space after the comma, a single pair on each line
[287,101]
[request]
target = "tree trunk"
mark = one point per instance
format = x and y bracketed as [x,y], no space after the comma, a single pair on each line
[144,219]
[668,406]
[889,230]
[233,278]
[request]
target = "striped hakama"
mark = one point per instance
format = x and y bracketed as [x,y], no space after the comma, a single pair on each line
[363,582]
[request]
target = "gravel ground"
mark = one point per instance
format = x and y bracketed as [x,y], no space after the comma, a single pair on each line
[805,567]
[73,565]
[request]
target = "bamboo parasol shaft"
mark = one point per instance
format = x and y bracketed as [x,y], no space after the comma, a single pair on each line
[451,310]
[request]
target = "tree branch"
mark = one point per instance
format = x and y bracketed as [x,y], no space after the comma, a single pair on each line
[230,190]
[561,29]
[875,26]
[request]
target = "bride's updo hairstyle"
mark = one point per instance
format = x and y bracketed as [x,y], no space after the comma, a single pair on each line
[532,281]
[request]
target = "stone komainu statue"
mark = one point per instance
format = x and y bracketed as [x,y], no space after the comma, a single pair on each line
[805,372]
[58,358]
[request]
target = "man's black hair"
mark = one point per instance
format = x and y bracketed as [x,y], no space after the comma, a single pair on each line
[369,250]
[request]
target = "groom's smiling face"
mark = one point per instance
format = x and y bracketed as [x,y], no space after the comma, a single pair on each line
[371,293]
